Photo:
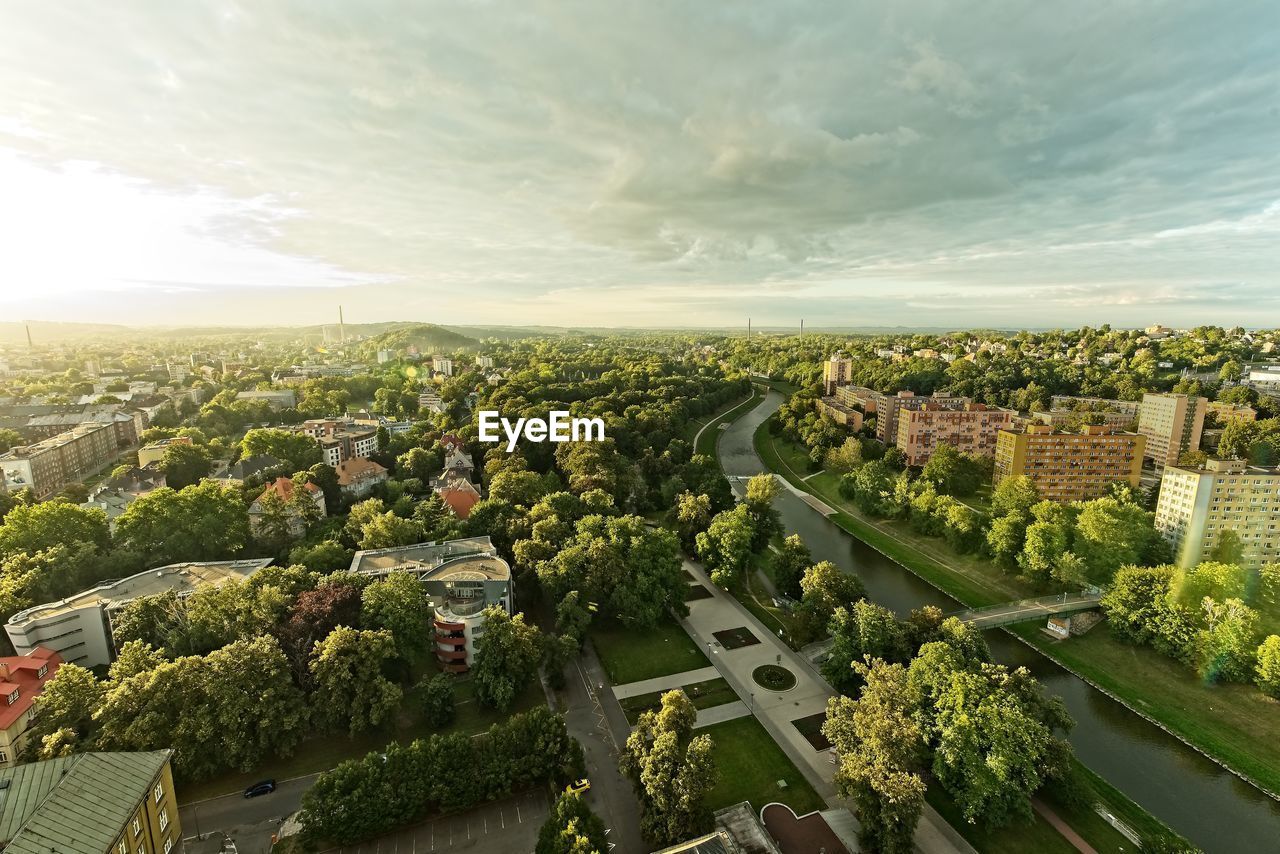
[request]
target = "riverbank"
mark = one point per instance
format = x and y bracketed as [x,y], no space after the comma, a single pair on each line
[1236,726]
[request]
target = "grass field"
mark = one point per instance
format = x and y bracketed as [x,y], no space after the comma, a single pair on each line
[325,751]
[750,765]
[705,695]
[629,654]
[1235,723]
[706,443]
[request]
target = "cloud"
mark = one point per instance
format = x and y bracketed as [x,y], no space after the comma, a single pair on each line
[679,161]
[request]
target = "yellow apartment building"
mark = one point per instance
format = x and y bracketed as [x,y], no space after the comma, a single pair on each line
[1070,466]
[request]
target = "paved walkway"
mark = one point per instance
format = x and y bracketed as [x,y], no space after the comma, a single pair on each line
[720,714]
[664,683]
[776,710]
[1062,827]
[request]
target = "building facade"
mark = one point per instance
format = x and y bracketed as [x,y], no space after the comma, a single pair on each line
[886,407]
[461,578]
[22,677]
[154,452]
[79,627]
[1198,506]
[340,439]
[51,464]
[846,416]
[1069,466]
[1172,424]
[113,803]
[836,371]
[972,430]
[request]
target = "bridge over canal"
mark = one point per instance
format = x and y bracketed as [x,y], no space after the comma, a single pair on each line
[1027,609]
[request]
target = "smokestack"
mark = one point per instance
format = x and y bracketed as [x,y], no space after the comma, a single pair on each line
[342,328]
[748,329]
[802,329]
[30,346]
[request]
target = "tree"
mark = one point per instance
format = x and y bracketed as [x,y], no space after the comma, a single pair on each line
[881,749]
[572,616]
[419,463]
[350,690]
[844,458]
[1110,534]
[9,439]
[725,547]
[951,472]
[1132,601]
[437,700]
[520,488]
[298,450]
[68,701]
[572,828]
[324,556]
[207,521]
[507,660]
[314,614]
[1228,549]
[397,603]
[765,521]
[1268,671]
[387,530]
[789,565]
[1227,646]
[871,488]
[824,588]
[1014,495]
[30,528]
[692,516]
[861,631]
[671,770]
[185,464]
[557,652]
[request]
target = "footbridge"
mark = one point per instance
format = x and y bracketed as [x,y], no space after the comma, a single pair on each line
[1027,609]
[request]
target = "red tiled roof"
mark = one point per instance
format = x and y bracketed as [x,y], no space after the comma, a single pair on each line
[358,468]
[460,501]
[283,487]
[20,671]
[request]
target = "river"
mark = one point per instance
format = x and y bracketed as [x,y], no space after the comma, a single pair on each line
[1208,805]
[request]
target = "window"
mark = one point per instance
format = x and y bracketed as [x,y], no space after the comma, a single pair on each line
[137,825]
[44,668]
[164,818]
[122,848]
[159,792]
[4,757]
[168,843]
[13,698]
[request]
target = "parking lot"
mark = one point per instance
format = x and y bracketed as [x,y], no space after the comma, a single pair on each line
[502,827]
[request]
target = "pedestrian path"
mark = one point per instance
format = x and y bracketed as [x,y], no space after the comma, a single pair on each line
[664,683]
[720,714]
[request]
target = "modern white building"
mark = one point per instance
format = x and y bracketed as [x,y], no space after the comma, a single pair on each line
[461,577]
[79,627]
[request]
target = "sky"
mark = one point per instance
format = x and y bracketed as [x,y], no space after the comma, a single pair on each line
[589,162]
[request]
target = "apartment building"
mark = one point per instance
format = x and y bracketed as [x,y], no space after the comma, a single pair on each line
[1069,466]
[50,464]
[277,399]
[836,371]
[91,803]
[79,627]
[461,578]
[887,407]
[442,365]
[1226,412]
[340,439]
[1095,404]
[972,429]
[1198,505]
[846,416]
[1172,424]
[21,678]
[1059,419]
[484,363]
[154,452]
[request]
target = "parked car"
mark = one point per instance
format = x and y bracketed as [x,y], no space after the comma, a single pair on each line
[266,787]
[579,786]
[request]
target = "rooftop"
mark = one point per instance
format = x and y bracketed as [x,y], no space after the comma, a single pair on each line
[52,442]
[75,804]
[471,559]
[180,578]
[23,673]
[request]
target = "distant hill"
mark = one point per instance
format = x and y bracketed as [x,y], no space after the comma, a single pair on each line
[47,332]
[427,337]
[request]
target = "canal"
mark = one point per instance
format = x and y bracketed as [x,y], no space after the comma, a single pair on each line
[1208,805]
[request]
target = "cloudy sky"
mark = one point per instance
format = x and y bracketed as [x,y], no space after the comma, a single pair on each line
[577,162]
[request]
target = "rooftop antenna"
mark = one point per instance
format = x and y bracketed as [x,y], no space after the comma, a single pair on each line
[342,328]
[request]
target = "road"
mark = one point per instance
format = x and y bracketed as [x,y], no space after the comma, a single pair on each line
[593,716]
[249,821]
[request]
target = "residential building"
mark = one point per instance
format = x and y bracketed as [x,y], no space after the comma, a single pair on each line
[442,365]
[340,439]
[1059,419]
[358,476]
[21,678]
[457,463]
[247,467]
[114,495]
[385,356]
[430,401]
[484,363]
[886,407]
[79,627]
[1172,424]
[461,578]
[839,413]
[1095,404]
[1225,412]
[284,489]
[50,464]
[154,453]
[277,399]
[836,371]
[1198,506]
[972,429]
[1070,466]
[458,494]
[91,803]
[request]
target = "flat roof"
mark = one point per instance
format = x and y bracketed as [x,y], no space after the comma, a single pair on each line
[473,558]
[180,578]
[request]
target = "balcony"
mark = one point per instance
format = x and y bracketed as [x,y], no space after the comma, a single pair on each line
[455,668]
[451,654]
[449,626]
[456,640]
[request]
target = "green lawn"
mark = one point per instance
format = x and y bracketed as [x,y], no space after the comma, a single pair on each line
[1235,723]
[631,654]
[713,692]
[1032,836]
[707,441]
[750,765]
[323,752]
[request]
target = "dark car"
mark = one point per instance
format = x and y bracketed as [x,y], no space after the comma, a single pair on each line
[266,787]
